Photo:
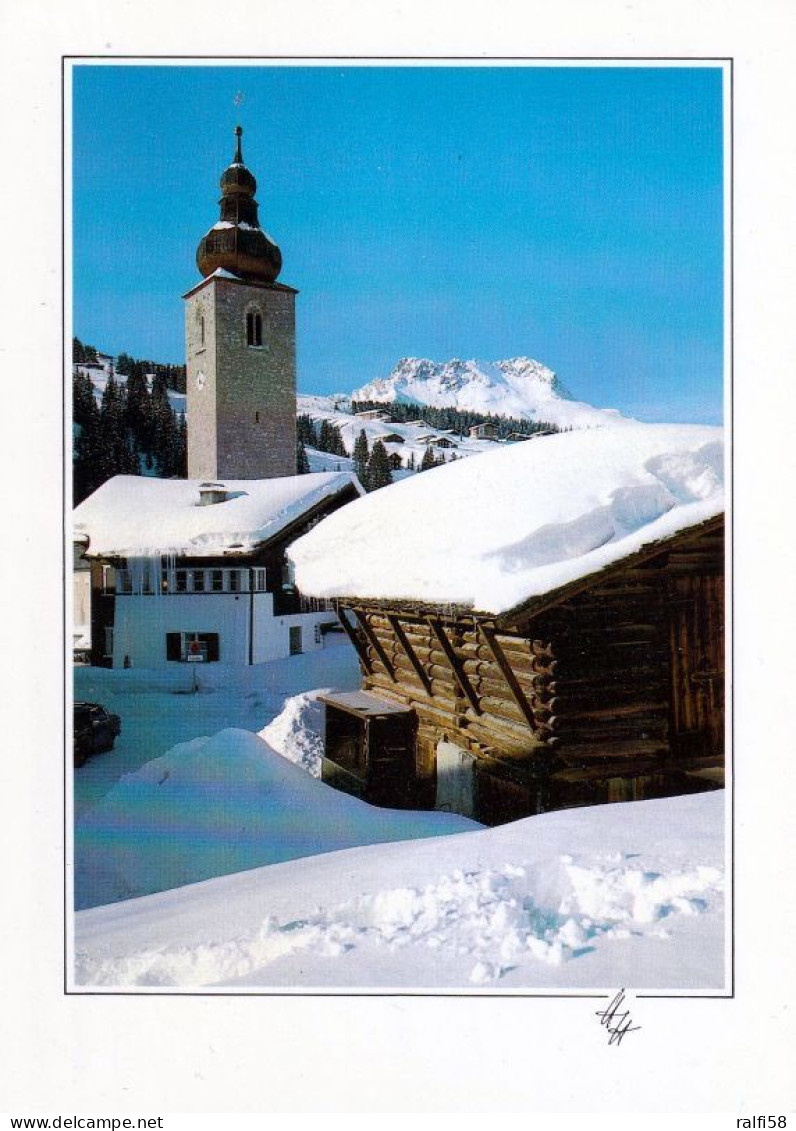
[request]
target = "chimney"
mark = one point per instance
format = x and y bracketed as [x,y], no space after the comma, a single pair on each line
[210,493]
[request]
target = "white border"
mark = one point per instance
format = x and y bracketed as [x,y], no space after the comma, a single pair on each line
[352,1055]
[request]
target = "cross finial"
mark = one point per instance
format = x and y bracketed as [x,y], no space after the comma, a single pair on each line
[239,151]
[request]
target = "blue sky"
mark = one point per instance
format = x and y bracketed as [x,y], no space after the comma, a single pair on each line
[570,214]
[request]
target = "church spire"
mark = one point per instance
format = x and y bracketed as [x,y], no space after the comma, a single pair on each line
[237,243]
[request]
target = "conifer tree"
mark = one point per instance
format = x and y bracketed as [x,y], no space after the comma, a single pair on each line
[302,460]
[182,448]
[378,469]
[428,461]
[84,405]
[116,456]
[337,447]
[87,468]
[124,364]
[136,411]
[305,429]
[361,455]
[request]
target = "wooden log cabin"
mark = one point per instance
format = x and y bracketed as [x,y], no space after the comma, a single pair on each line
[610,688]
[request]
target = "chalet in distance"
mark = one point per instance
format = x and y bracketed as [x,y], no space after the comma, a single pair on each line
[605,683]
[182,569]
[485,431]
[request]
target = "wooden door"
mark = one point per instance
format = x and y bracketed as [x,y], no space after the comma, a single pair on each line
[697,650]
[455,780]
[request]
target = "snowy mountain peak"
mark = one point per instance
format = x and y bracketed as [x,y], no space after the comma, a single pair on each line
[518,386]
[525,369]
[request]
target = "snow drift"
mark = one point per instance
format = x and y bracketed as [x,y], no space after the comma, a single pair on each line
[616,895]
[523,521]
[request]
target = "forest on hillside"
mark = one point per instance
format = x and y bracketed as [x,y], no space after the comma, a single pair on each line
[456,420]
[133,430]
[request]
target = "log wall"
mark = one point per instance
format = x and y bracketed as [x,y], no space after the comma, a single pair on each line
[592,699]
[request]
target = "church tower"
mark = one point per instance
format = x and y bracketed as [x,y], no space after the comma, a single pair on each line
[240,335]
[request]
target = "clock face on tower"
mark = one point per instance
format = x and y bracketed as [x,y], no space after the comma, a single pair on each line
[200,380]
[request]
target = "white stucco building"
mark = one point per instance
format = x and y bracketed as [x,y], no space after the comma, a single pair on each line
[184,570]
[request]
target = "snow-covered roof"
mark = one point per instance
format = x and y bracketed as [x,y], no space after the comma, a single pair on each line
[132,515]
[494,532]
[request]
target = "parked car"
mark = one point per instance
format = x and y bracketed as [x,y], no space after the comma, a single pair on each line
[95,730]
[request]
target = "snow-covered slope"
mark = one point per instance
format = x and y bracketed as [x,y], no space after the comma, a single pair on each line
[493,532]
[607,896]
[409,441]
[519,387]
[98,375]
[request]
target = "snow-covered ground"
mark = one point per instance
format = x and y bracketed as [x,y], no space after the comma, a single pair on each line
[222,804]
[595,897]
[409,439]
[598,897]
[158,711]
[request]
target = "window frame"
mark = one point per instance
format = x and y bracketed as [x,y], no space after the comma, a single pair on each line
[254,328]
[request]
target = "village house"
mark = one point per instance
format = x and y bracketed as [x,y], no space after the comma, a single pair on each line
[183,569]
[81,603]
[374,414]
[486,431]
[437,441]
[545,648]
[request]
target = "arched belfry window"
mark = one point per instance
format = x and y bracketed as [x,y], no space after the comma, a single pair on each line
[254,328]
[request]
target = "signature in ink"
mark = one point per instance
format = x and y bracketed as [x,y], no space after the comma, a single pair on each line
[617,1023]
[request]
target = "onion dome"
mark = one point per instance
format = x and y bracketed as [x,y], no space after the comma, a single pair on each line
[237,243]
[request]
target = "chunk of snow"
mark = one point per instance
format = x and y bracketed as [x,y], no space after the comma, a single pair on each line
[297,731]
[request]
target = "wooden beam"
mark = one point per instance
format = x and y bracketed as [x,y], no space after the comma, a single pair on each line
[456,666]
[403,640]
[350,632]
[488,633]
[375,643]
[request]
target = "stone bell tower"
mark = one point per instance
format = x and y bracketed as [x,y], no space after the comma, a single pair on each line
[240,335]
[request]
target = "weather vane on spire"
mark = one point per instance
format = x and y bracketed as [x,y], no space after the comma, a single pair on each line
[238,100]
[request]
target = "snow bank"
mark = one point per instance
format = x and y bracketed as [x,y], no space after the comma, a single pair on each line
[493,532]
[297,731]
[606,896]
[130,515]
[217,805]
